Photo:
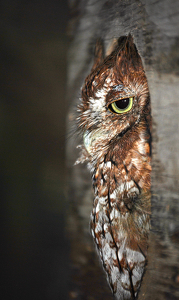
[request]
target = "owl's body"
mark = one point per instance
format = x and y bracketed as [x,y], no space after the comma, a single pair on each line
[117,149]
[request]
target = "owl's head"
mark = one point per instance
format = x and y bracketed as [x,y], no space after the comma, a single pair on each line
[115,97]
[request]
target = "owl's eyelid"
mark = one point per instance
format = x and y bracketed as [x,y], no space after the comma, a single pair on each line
[120,98]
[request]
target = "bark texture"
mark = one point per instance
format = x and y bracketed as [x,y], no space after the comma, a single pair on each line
[155,28]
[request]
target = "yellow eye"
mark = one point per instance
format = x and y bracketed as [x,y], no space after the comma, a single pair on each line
[121,106]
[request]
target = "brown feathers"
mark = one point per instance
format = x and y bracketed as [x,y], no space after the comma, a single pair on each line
[115,122]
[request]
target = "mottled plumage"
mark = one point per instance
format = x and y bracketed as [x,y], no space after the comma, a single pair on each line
[117,147]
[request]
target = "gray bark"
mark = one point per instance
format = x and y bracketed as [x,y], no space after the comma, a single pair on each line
[155,28]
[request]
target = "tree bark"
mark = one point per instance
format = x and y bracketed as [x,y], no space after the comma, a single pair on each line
[155,28]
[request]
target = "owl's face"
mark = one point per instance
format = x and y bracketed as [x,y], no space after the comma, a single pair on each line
[115,98]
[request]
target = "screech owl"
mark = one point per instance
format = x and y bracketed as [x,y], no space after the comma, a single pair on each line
[115,120]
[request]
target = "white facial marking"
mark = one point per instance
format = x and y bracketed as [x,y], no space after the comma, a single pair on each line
[97,104]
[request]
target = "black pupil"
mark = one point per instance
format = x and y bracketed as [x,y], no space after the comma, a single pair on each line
[122,104]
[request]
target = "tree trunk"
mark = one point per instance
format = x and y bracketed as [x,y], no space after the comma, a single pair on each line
[155,28]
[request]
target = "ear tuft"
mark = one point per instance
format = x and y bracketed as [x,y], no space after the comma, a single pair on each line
[128,58]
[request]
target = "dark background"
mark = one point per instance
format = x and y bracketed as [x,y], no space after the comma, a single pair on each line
[34,245]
